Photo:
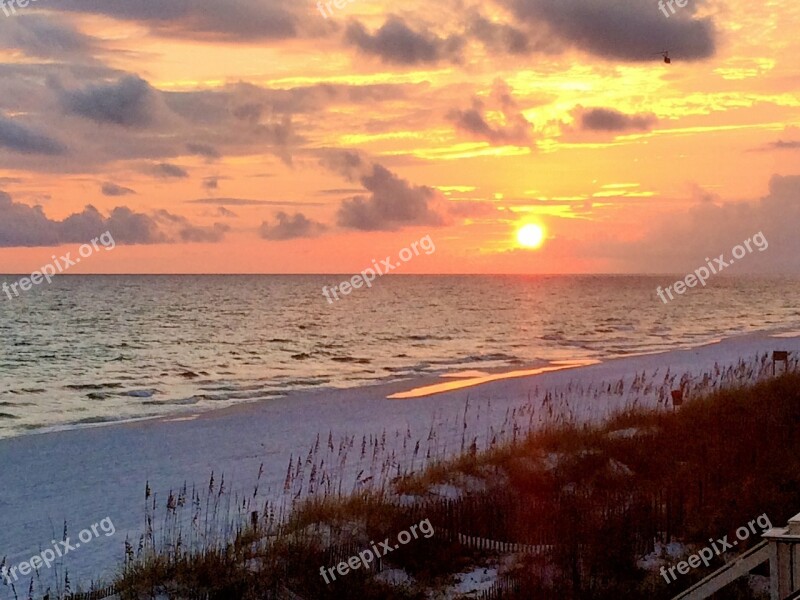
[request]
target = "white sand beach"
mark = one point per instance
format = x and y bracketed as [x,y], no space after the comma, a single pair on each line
[84,475]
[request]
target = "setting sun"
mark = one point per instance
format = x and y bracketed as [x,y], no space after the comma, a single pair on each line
[530,236]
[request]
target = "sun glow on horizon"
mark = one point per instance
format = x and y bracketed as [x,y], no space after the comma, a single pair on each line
[530,236]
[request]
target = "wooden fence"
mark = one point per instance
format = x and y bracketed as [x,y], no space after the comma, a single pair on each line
[509,523]
[98,594]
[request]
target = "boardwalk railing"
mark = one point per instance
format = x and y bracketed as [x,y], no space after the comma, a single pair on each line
[781,548]
[727,574]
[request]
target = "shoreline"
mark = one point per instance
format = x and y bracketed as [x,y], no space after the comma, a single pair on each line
[401,388]
[79,476]
[478,379]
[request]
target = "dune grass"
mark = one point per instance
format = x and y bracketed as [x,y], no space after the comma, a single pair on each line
[597,497]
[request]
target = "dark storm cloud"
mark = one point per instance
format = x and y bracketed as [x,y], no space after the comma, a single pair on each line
[628,30]
[20,138]
[397,43]
[289,227]
[608,119]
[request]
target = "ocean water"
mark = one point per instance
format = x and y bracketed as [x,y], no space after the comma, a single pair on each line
[87,350]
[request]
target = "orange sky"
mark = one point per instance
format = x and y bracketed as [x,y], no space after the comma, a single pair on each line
[384,123]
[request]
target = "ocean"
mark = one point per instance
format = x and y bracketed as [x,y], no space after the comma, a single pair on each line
[94,349]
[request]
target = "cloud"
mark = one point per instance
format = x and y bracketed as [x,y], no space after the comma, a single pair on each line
[20,138]
[209,20]
[224,212]
[515,129]
[252,112]
[627,30]
[288,227]
[139,121]
[211,183]
[392,203]
[347,163]
[112,189]
[508,39]
[248,202]
[22,225]
[681,243]
[474,209]
[127,226]
[340,191]
[27,226]
[243,105]
[783,145]
[168,171]
[128,102]
[207,235]
[396,43]
[43,37]
[608,119]
[204,150]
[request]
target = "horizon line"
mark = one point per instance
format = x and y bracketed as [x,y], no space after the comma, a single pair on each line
[349,274]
